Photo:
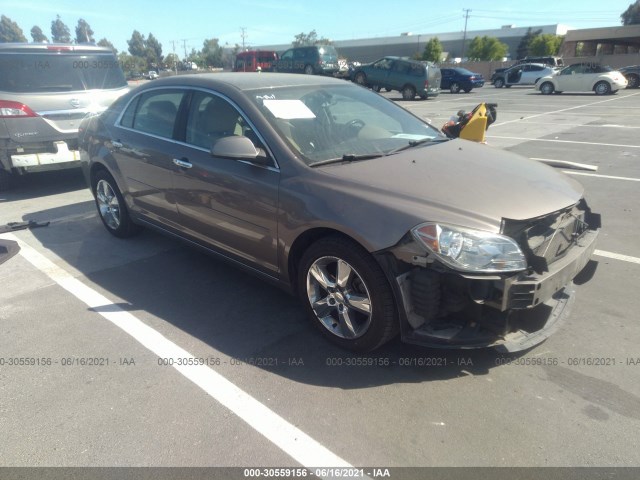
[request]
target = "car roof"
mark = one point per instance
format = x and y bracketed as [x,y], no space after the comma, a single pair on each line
[247,80]
[52,47]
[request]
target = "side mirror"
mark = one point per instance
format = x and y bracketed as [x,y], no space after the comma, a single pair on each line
[238,148]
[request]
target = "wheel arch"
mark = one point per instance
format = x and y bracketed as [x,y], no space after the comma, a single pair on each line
[303,242]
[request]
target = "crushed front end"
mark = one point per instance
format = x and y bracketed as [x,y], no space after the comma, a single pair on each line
[513,303]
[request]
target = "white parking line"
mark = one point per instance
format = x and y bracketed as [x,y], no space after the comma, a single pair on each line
[291,440]
[564,110]
[564,141]
[611,177]
[617,256]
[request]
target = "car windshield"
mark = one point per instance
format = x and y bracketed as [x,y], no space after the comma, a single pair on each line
[37,72]
[340,122]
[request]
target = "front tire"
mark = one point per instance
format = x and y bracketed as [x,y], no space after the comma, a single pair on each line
[347,295]
[361,79]
[498,83]
[111,206]
[633,81]
[602,88]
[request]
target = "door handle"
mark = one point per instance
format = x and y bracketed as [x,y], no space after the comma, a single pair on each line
[182,163]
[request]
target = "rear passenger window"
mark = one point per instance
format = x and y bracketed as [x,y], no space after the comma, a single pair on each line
[154,112]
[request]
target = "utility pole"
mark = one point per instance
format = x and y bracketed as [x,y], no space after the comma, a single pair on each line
[243,35]
[184,44]
[175,58]
[464,35]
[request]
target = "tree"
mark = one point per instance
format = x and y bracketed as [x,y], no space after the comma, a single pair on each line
[59,31]
[487,48]
[631,16]
[10,31]
[131,64]
[525,43]
[211,53]
[153,51]
[106,43]
[84,34]
[171,61]
[137,44]
[37,35]
[311,38]
[432,50]
[547,44]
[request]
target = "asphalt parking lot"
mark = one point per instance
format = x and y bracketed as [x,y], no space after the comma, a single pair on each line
[94,317]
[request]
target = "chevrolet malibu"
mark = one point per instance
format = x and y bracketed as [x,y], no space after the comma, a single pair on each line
[378,222]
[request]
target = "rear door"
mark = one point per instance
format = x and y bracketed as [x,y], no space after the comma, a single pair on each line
[144,149]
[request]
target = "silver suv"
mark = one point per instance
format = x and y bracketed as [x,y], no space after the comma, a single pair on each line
[45,91]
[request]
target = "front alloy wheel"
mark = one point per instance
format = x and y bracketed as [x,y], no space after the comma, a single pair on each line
[347,294]
[339,297]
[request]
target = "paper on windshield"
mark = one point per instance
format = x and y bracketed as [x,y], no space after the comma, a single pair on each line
[288,109]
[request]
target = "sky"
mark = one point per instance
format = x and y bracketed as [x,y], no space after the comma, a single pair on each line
[187,23]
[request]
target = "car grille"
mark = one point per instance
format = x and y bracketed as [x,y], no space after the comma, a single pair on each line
[547,239]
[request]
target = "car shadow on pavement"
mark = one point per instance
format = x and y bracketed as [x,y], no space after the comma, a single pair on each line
[243,318]
[42,184]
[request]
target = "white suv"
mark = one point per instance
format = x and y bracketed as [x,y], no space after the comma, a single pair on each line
[45,91]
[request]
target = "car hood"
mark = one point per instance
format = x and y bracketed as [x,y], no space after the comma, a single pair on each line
[460,181]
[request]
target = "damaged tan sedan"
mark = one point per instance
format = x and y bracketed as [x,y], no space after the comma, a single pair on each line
[377,221]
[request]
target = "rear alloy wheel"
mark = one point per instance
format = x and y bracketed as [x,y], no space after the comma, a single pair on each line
[633,81]
[361,78]
[308,70]
[547,88]
[498,83]
[111,207]
[347,294]
[408,92]
[602,88]
[454,88]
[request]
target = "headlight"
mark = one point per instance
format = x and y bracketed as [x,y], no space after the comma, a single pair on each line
[471,250]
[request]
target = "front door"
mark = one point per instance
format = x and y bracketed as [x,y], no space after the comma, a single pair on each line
[227,203]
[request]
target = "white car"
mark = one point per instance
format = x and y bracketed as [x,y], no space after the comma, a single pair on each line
[523,74]
[583,77]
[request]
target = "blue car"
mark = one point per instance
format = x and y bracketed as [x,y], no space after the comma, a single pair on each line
[457,79]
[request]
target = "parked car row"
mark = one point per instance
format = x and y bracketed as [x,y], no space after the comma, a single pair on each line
[578,77]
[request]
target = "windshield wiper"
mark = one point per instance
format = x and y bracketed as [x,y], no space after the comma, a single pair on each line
[347,157]
[415,143]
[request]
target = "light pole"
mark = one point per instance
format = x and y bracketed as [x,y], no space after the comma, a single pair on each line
[464,35]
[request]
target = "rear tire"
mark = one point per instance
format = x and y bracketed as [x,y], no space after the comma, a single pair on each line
[454,88]
[347,295]
[602,88]
[408,92]
[376,88]
[112,208]
[547,88]
[308,70]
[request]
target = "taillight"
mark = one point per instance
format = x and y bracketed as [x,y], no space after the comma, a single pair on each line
[58,48]
[9,109]
[426,84]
